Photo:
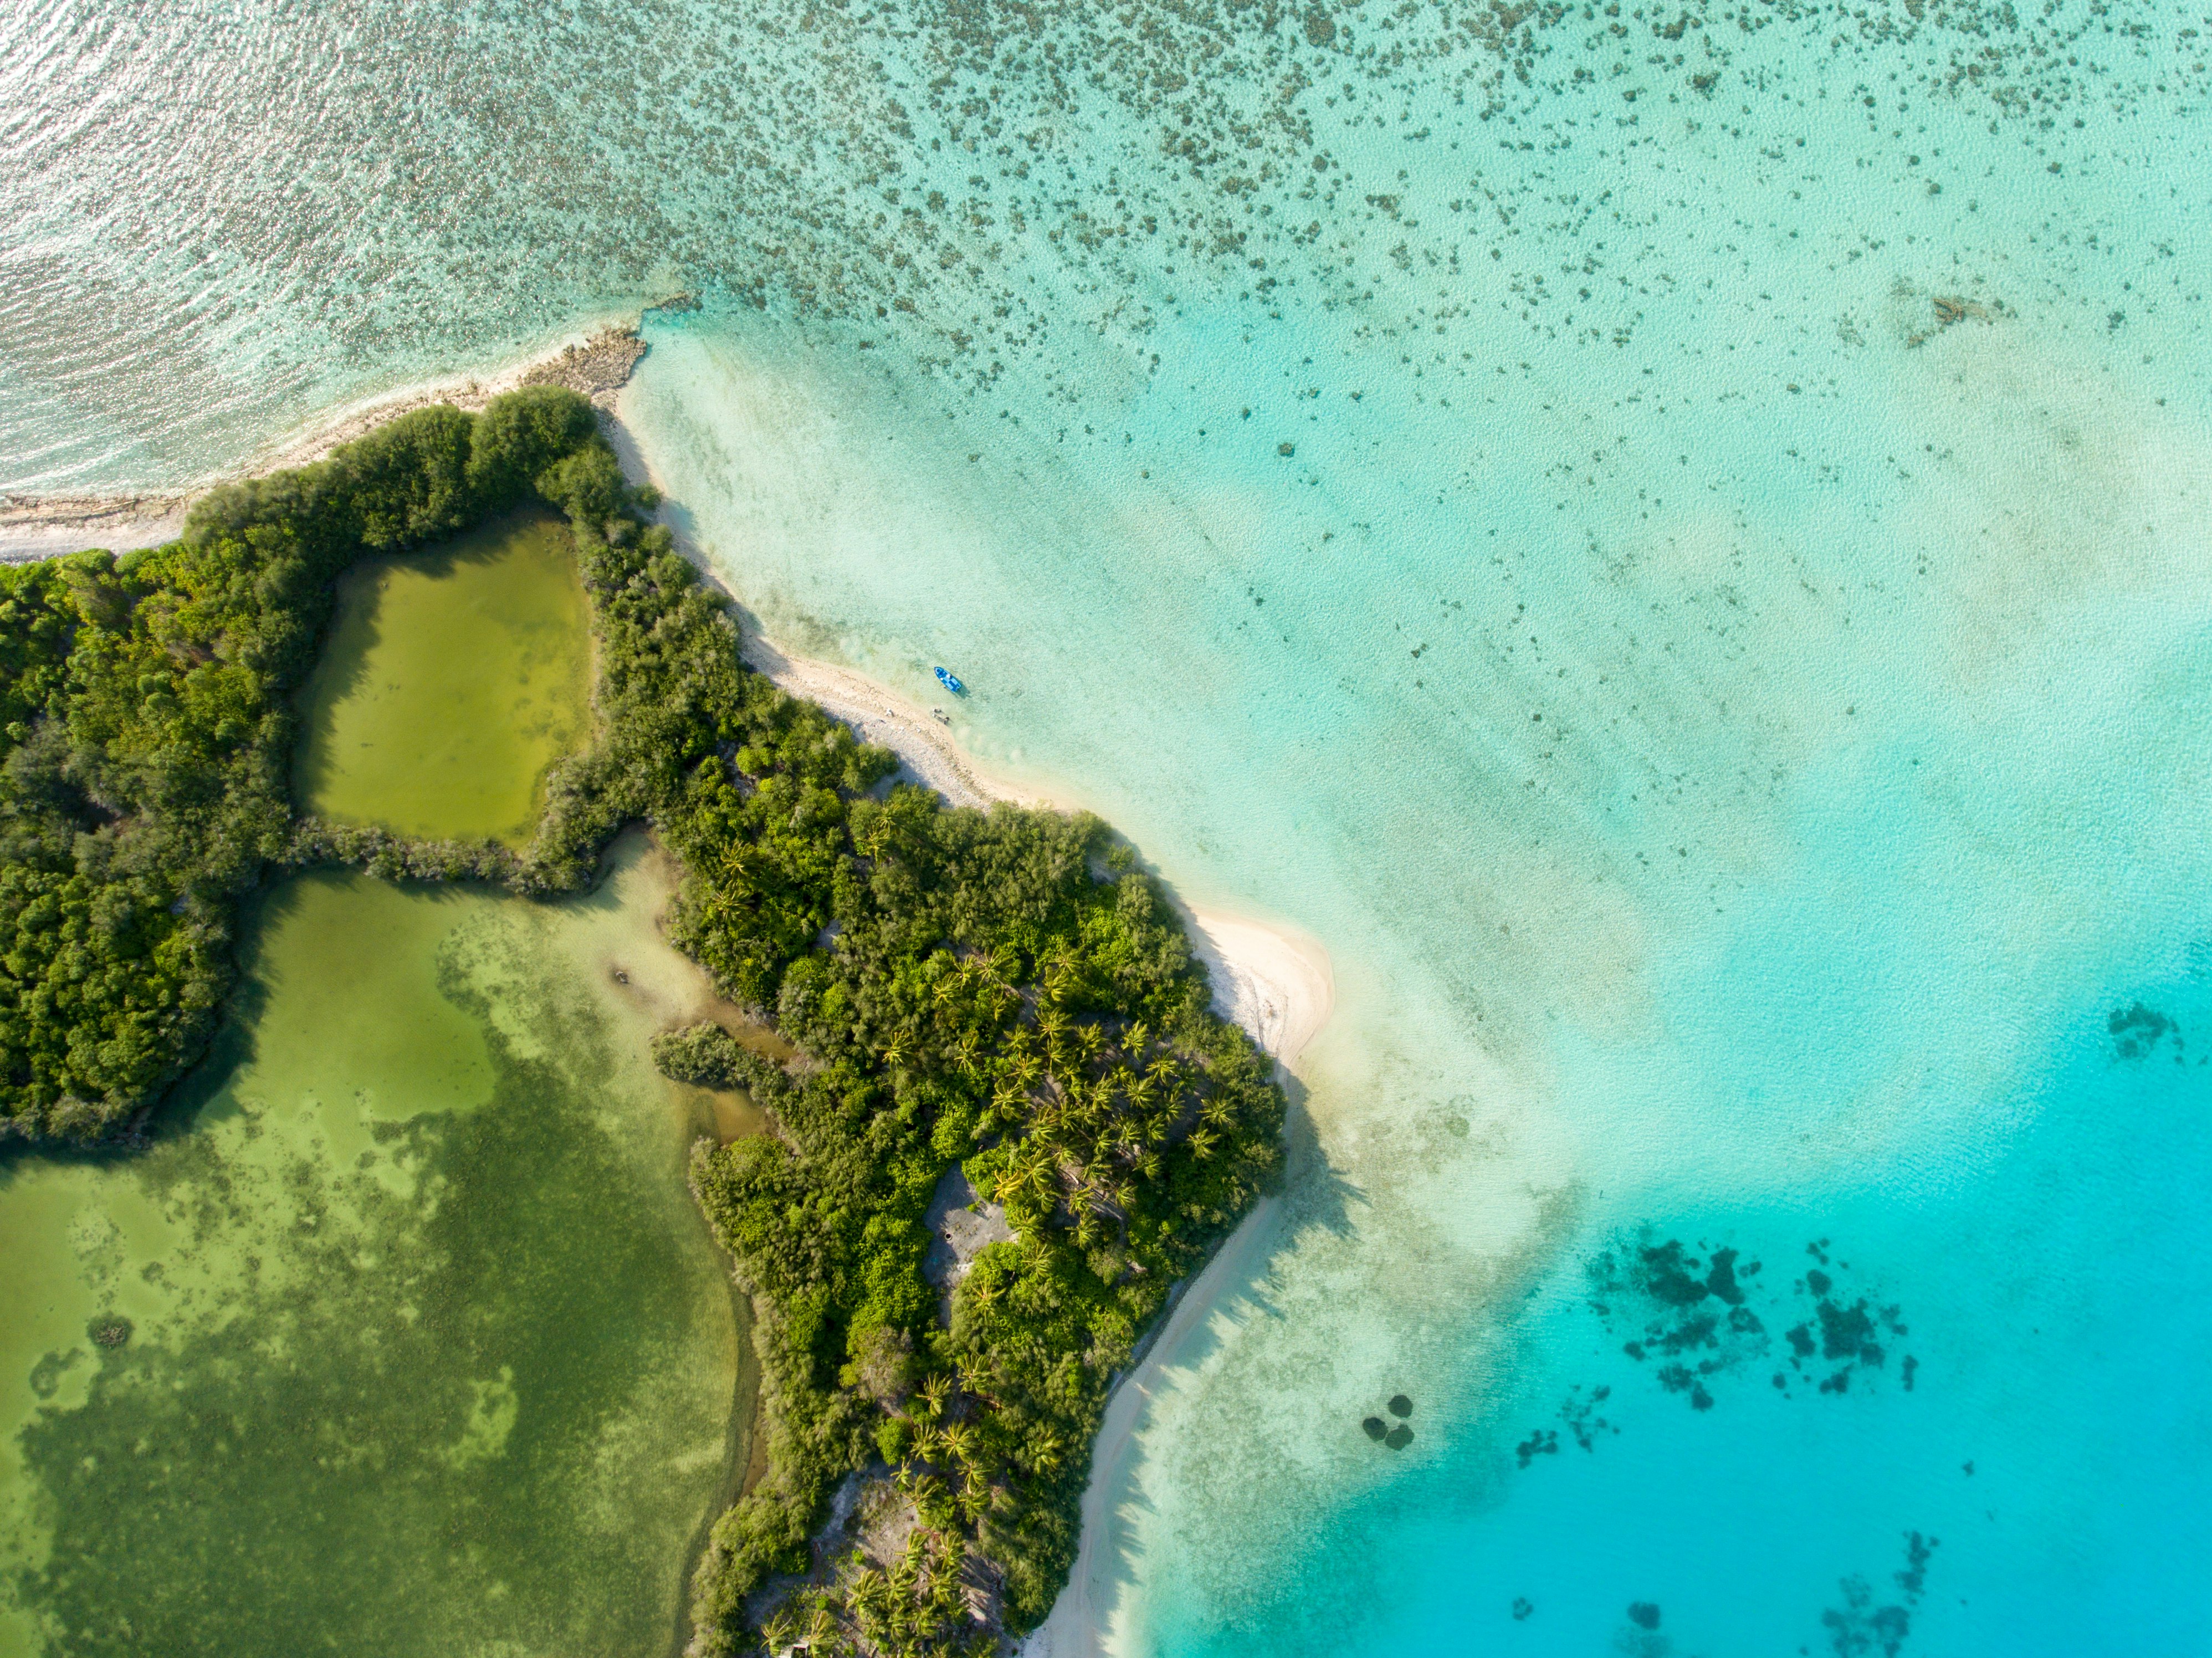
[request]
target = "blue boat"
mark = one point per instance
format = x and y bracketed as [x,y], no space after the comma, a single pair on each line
[950,681]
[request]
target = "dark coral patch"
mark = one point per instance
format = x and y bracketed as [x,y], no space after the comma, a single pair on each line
[2137,1029]
[1545,1442]
[1692,1312]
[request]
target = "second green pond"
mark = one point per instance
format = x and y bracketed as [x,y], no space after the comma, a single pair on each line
[405,1338]
[451,682]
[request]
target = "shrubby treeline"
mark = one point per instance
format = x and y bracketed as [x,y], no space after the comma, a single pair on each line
[1001,991]
[146,733]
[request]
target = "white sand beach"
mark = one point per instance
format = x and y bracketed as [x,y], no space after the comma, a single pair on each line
[1077,1627]
[596,361]
[877,714]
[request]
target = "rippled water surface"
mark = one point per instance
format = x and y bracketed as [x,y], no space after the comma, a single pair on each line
[1671,538]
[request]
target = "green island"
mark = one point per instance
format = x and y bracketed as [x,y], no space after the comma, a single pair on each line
[904,1014]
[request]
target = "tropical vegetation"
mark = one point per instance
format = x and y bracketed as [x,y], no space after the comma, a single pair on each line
[146,732]
[1000,993]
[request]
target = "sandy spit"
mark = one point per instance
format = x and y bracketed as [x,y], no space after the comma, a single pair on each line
[597,362]
[1275,982]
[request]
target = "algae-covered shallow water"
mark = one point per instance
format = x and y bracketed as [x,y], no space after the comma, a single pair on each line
[427,1350]
[450,681]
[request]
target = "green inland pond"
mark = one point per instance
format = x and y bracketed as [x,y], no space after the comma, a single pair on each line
[451,681]
[404,1336]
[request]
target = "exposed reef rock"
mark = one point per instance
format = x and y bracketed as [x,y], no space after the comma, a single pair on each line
[597,369]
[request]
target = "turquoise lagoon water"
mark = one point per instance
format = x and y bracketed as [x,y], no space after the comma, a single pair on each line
[1671,540]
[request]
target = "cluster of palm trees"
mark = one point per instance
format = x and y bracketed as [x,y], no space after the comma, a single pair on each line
[922,1606]
[1093,1108]
[940,1596]
[1101,1111]
[952,1447]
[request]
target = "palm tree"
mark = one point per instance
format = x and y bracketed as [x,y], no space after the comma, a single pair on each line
[975,1495]
[906,1571]
[931,1395]
[960,1440]
[864,1594]
[973,1373]
[1044,1453]
[779,1630]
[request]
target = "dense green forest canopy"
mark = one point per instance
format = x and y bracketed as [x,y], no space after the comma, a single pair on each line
[146,729]
[1000,991]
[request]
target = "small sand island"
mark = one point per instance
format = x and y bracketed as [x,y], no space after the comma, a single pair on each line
[406,853]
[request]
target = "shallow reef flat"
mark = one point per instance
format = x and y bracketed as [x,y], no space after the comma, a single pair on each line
[405,1332]
[1669,537]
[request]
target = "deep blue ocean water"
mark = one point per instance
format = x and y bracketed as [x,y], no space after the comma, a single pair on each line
[1672,539]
